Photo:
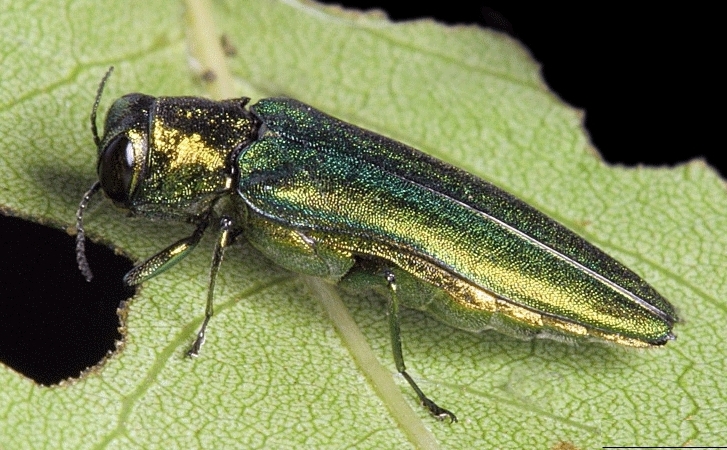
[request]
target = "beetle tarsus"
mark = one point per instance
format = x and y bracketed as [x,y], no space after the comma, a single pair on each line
[193,352]
[438,412]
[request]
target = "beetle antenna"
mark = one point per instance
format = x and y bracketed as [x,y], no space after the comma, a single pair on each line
[81,233]
[94,128]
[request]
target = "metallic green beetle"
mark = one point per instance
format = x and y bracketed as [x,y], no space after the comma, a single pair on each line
[322,197]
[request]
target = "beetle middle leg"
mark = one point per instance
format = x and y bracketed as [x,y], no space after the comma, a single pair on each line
[223,242]
[395,331]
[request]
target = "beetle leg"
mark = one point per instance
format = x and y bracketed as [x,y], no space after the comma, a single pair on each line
[165,258]
[222,243]
[394,329]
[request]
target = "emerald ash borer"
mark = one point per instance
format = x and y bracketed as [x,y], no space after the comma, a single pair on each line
[322,197]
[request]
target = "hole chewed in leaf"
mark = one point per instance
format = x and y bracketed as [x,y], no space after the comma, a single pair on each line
[53,324]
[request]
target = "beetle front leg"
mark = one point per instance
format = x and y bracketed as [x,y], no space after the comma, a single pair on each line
[222,243]
[165,258]
[395,331]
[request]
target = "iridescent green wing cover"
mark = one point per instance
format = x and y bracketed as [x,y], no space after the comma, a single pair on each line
[374,196]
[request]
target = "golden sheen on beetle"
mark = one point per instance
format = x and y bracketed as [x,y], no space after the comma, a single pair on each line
[319,196]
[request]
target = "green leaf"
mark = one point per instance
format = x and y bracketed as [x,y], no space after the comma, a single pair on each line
[275,373]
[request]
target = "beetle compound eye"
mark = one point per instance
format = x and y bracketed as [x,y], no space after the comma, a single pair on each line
[116,169]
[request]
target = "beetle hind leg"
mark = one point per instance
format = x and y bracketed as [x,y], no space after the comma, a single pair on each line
[395,331]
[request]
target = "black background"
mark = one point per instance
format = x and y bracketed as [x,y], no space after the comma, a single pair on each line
[643,74]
